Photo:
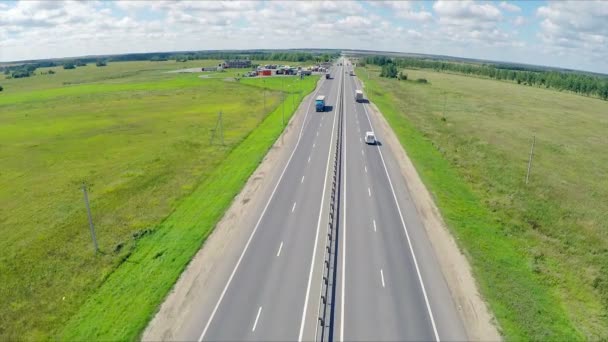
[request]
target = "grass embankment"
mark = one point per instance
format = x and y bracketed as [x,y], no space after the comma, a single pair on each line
[538,251]
[157,189]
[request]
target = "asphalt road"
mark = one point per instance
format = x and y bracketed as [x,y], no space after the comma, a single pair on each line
[271,292]
[389,285]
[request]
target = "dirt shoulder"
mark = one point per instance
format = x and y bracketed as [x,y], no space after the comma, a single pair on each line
[194,294]
[479,323]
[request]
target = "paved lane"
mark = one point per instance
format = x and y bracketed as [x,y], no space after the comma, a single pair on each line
[383,289]
[265,297]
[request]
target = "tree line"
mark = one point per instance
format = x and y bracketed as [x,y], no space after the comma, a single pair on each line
[254,55]
[28,69]
[570,81]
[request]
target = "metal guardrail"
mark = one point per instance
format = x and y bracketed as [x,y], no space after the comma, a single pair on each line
[325,320]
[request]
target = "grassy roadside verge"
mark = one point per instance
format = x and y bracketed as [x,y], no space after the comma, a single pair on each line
[525,307]
[129,297]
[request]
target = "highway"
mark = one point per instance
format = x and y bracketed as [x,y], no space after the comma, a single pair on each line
[384,291]
[387,285]
[269,293]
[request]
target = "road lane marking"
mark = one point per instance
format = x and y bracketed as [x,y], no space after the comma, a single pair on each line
[361,151]
[313,145]
[256,319]
[219,301]
[294,207]
[309,159]
[317,133]
[360,140]
[407,235]
[369,192]
[382,277]
[280,247]
[374,224]
[302,181]
[365,168]
[314,250]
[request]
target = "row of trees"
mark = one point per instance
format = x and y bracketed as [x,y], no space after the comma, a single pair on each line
[256,55]
[288,56]
[27,70]
[20,71]
[570,81]
[389,70]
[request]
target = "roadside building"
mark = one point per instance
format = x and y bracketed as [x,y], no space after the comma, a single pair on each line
[237,63]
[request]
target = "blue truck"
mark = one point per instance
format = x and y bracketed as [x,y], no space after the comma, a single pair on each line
[320,103]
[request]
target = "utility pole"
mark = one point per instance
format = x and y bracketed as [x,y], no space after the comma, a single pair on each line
[293,102]
[221,128]
[444,103]
[86,202]
[218,126]
[530,159]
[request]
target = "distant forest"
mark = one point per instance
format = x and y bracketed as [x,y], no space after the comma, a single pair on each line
[28,68]
[579,83]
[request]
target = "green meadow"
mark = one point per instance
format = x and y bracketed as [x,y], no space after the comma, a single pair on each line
[539,251]
[141,139]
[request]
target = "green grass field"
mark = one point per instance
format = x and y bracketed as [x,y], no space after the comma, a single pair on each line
[539,251]
[140,137]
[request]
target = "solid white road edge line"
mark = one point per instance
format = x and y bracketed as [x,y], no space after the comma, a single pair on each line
[280,247]
[314,250]
[259,220]
[407,235]
[256,319]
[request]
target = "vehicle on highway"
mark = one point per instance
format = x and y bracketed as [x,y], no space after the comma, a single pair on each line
[370,138]
[358,95]
[327,76]
[320,103]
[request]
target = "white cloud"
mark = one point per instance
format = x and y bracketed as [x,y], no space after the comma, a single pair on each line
[509,7]
[468,9]
[579,28]
[468,22]
[519,21]
[405,9]
[43,29]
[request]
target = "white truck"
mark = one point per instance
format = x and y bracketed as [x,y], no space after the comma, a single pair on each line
[358,95]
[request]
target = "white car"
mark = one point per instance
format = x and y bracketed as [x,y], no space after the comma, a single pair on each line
[370,138]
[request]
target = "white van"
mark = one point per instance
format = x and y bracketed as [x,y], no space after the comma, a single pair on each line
[370,138]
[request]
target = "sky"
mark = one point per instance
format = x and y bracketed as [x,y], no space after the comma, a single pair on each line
[569,34]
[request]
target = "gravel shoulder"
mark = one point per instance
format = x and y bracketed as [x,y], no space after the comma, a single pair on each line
[479,323]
